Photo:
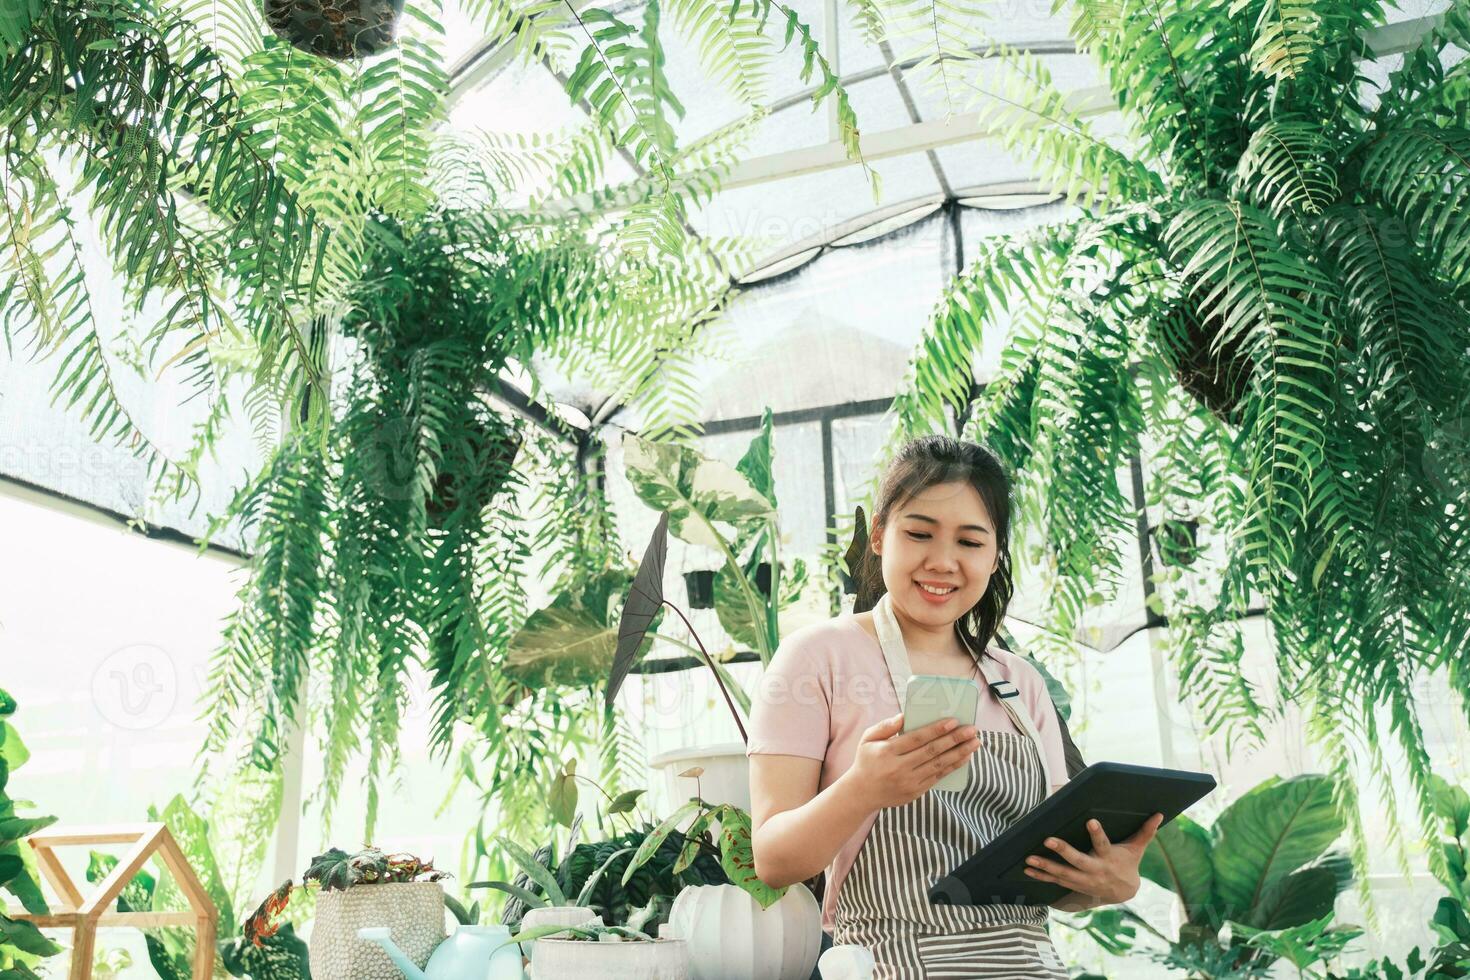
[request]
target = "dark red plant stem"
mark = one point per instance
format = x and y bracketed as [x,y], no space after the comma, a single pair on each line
[707,659]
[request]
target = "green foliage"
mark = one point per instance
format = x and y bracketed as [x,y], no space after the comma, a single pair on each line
[737,857]
[597,876]
[571,642]
[1264,872]
[731,510]
[22,945]
[1264,283]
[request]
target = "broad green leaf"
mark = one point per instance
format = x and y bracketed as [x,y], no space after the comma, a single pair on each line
[737,856]
[1300,897]
[572,641]
[191,831]
[25,937]
[530,898]
[625,802]
[655,840]
[12,749]
[756,465]
[1271,831]
[1178,858]
[25,886]
[702,496]
[18,828]
[534,870]
[562,798]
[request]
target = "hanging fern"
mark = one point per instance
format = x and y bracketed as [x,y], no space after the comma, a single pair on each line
[1263,291]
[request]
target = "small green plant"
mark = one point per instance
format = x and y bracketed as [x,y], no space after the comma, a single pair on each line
[737,856]
[592,931]
[22,945]
[597,875]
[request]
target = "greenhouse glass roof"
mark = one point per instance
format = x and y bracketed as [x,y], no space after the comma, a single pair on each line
[846,266]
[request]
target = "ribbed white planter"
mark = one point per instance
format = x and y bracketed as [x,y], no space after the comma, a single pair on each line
[413,911]
[573,959]
[556,915]
[732,938]
[726,776]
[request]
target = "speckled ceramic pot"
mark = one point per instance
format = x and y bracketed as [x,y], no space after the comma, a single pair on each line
[412,910]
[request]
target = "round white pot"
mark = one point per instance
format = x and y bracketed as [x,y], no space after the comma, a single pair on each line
[556,915]
[726,776]
[572,959]
[732,938]
[413,911]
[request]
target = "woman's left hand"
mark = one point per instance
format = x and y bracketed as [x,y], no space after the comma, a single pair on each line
[1108,875]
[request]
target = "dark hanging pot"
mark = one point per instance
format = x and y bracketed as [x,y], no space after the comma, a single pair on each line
[337,29]
[1177,542]
[701,588]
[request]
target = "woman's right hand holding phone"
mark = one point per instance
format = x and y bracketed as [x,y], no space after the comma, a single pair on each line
[893,767]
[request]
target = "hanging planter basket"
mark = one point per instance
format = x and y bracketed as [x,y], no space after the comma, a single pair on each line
[337,29]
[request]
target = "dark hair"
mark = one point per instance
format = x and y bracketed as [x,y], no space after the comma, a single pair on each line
[925,462]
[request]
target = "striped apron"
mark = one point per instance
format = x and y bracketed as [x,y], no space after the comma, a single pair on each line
[884,902]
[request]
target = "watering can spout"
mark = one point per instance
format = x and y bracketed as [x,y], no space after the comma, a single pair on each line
[384,938]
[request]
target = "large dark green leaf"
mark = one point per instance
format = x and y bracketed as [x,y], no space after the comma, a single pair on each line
[1300,897]
[706,500]
[25,937]
[645,598]
[573,641]
[281,956]
[12,749]
[18,828]
[1179,859]
[1271,831]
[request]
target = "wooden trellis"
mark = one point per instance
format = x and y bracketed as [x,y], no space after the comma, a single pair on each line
[84,914]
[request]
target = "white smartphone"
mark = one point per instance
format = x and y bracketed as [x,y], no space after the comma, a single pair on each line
[932,697]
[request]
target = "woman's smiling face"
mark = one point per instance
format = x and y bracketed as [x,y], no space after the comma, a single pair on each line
[939,551]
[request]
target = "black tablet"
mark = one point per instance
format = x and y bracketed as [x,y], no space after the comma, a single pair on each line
[1120,796]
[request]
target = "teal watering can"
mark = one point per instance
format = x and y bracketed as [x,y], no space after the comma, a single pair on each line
[470,953]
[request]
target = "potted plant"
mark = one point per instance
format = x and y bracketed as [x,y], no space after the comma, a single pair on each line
[605,952]
[732,511]
[337,29]
[363,890]
[590,882]
[744,930]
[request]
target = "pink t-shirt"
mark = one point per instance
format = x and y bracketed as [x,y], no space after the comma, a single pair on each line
[828,683]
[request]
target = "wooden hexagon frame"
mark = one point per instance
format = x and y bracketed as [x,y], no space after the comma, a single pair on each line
[84,915]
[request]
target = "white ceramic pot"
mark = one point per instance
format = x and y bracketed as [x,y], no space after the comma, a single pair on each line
[726,776]
[732,938]
[572,959]
[413,912]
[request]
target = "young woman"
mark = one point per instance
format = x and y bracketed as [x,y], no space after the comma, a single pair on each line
[837,785]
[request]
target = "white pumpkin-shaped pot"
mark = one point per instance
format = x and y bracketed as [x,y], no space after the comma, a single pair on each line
[732,938]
